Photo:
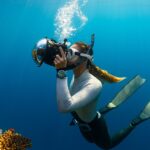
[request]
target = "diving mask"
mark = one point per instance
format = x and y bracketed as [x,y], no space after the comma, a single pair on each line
[73,53]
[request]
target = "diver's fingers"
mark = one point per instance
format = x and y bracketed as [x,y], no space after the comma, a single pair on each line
[56,64]
[62,53]
[59,58]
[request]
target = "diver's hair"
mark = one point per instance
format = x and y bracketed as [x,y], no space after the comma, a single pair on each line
[82,46]
[97,71]
[103,74]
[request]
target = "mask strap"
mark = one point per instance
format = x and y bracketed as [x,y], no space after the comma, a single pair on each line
[89,57]
[76,52]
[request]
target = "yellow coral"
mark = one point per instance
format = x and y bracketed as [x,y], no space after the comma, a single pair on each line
[10,140]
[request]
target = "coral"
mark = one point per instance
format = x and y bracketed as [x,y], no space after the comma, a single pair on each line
[10,140]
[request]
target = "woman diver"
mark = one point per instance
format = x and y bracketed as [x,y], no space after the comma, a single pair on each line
[82,97]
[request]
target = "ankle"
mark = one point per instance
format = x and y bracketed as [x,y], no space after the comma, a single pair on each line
[135,121]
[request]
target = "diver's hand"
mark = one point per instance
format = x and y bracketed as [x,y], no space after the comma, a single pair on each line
[60,61]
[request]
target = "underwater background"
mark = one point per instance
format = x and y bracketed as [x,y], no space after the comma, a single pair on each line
[28,93]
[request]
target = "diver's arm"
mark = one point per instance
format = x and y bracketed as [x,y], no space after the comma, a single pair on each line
[68,103]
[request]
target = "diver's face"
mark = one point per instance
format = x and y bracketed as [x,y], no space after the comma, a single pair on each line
[75,58]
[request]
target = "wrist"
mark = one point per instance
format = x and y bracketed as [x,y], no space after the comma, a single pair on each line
[61,74]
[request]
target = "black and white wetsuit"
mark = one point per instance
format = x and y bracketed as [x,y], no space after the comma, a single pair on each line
[82,98]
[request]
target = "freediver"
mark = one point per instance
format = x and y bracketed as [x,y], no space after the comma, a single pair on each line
[82,97]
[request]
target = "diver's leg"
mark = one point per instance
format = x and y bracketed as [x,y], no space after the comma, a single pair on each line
[124,94]
[120,136]
[87,135]
[144,115]
[100,133]
[97,132]
[102,138]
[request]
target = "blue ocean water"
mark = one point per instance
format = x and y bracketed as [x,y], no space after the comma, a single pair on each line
[28,93]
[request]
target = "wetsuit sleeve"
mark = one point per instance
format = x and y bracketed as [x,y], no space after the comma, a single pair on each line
[68,103]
